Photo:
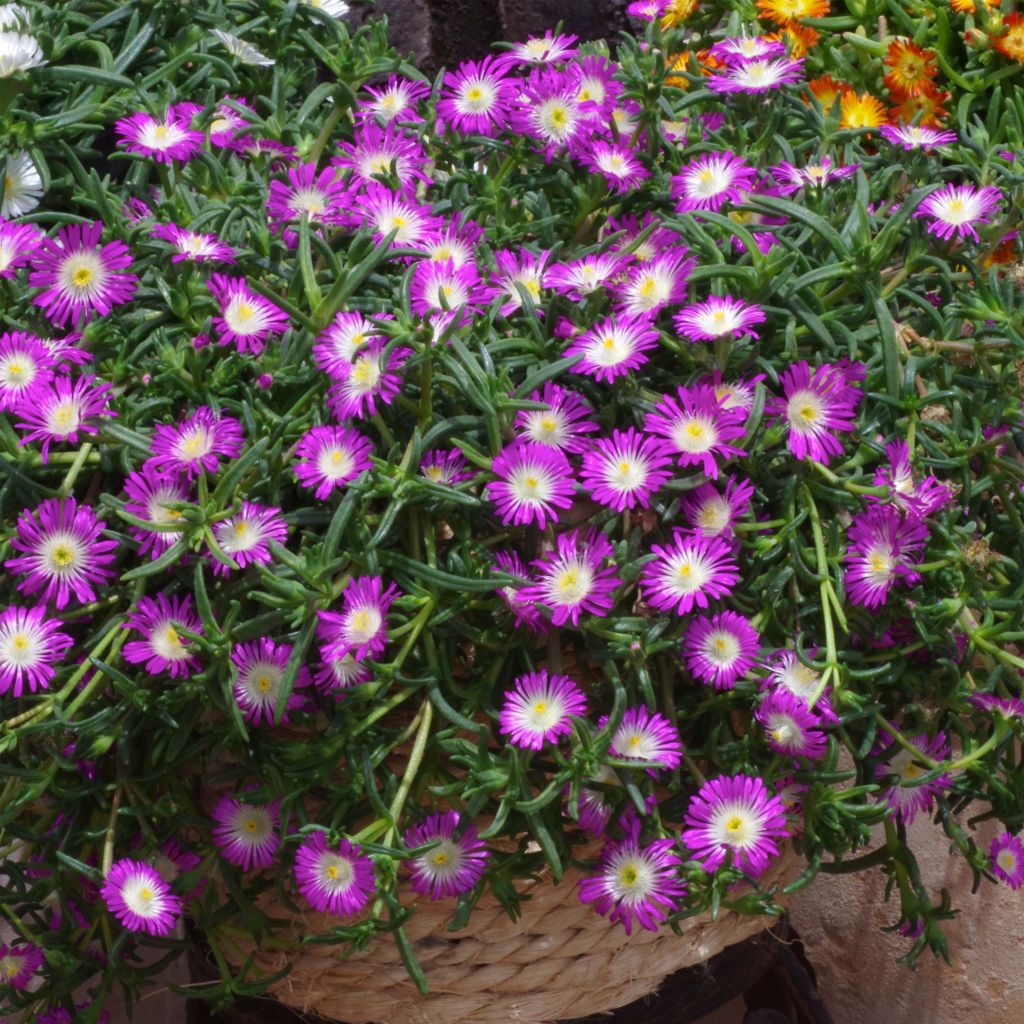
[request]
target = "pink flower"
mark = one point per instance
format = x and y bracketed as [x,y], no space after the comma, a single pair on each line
[161,648]
[538,709]
[688,573]
[627,469]
[711,180]
[534,480]
[476,98]
[165,139]
[613,347]
[329,458]
[246,318]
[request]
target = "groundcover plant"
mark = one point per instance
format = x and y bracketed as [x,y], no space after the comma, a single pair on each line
[603,453]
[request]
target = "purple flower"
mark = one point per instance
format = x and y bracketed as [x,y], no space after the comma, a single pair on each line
[18,964]
[719,649]
[737,815]
[546,49]
[538,709]
[737,50]
[193,246]
[956,209]
[161,649]
[245,537]
[165,139]
[625,470]
[1006,855]
[30,644]
[445,467]
[718,317]
[331,457]
[196,444]
[395,100]
[451,867]
[337,674]
[336,347]
[229,121]
[371,380]
[787,672]
[618,163]
[881,544]
[385,212]
[1007,707]
[333,881]
[916,136]
[440,286]
[17,243]
[570,579]
[149,491]
[756,76]
[60,411]
[62,553]
[526,612]
[534,480]
[656,239]
[360,628]
[598,90]
[791,727]
[697,425]
[688,573]
[563,424]
[260,668]
[247,319]
[583,277]
[613,347]
[920,499]
[246,834]
[791,179]
[476,98]
[79,276]
[140,899]
[26,366]
[655,283]
[906,796]
[374,151]
[645,735]
[58,1015]
[635,883]
[322,196]
[648,10]
[713,513]
[813,405]
[710,181]
[515,270]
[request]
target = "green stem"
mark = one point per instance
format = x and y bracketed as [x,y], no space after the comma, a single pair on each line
[325,133]
[415,760]
[824,586]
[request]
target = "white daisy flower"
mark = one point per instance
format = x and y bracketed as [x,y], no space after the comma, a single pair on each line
[244,51]
[335,8]
[15,16]
[22,186]
[18,52]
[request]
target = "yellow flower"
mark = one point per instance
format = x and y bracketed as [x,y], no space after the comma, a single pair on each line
[678,11]
[783,12]
[861,110]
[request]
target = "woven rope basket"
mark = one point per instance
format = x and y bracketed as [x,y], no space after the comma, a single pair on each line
[560,960]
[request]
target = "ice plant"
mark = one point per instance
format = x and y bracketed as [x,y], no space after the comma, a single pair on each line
[658,282]
[336,347]
[166,138]
[194,246]
[710,181]
[446,468]
[329,458]
[23,187]
[373,380]
[1006,855]
[26,366]
[815,405]
[626,469]
[197,444]
[790,727]
[906,795]
[613,347]
[791,179]
[645,735]
[538,709]
[719,649]
[333,880]
[455,862]
[916,136]
[19,964]
[534,481]
[246,834]
[360,628]
[713,512]
[140,899]
[689,572]
[883,547]
[246,319]
[31,642]
[563,424]
[757,76]
[524,611]
[162,648]
[954,211]
[260,668]
[245,537]
[319,196]
[718,317]
[17,243]
[476,98]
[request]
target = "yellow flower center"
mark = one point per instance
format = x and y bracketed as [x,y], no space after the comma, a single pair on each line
[734,824]
[82,276]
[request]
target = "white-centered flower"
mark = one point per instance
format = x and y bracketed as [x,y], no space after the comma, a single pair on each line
[83,276]
[695,434]
[245,52]
[23,188]
[805,411]
[19,52]
[721,647]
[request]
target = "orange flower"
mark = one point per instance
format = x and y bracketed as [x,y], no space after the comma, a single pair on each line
[678,11]
[678,62]
[709,62]
[1011,42]
[799,39]
[912,68]
[784,12]
[928,106]
[826,90]
[1005,252]
[969,6]
[861,110]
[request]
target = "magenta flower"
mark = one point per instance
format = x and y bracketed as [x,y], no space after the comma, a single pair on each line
[439,286]
[915,136]
[246,834]
[333,881]
[571,579]
[791,179]
[454,864]
[1007,707]
[906,796]
[534,480]
[231,116]
[322,197]
[445,467]
[718,317]
[583,277]
[719,649]
[756,76]
[80,277]
[710,181]
[618,163]
[372,379]
[645,735]
[385,212]
[375,151]
[563,424]
[1006,855]
[526,612]
[791,727]
[697,425]
[62,552]
[456,242]
[26,366]
[956,209]
[538,709]
[737,815]
[260,668]
[918,498]
[546,49]
[737,394]
[60,411]
[164,139]
[331,457]
[245,318]
[813,405]
[634,883]
[30,644]
[161,648]
[713,513]
[476,98]
[740,49]
[656,283]
[395,100]
[149,491]
[881,546]
[336,347]
[59,1015]
[193,246]
[549,110]
[787,672]
[196,444]
[613,347]
[627,469]
[17,243]
[688,573]
[140,899]
[648,10]
[598,90]
[18,964]
[360,628]
[657,239]
[339,674]
[245,537]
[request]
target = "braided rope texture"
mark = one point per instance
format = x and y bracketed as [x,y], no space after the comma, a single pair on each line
[560,960]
